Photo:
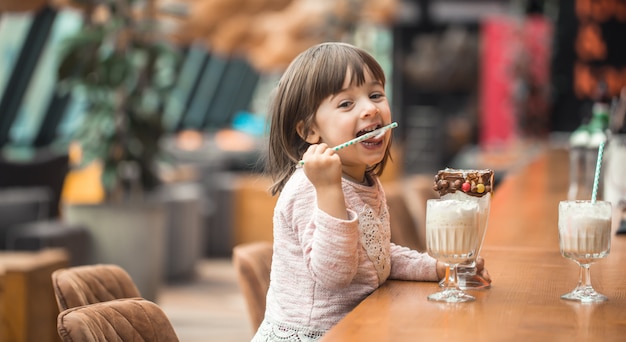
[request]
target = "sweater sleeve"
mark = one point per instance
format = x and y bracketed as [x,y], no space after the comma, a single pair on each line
[331,249]
[329,245]
[409,264]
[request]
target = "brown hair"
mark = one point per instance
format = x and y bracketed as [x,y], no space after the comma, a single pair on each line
[312,76]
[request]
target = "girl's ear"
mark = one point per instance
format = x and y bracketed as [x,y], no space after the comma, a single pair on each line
[312,138]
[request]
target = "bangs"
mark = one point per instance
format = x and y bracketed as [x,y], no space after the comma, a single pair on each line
[338,61]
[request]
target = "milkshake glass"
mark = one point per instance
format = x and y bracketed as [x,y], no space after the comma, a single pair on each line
[584,237]
[474,186]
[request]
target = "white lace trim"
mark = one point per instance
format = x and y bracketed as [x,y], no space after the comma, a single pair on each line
[374,231]
[270,331]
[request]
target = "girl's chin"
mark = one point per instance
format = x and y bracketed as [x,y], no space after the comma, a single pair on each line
[372,161]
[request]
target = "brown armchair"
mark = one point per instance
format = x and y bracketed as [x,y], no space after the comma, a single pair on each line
[252,262]
[89,284]
[127,319]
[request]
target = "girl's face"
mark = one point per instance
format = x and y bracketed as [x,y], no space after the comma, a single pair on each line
[350,113]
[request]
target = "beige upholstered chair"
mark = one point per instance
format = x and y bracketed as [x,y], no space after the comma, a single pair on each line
[404,229]
[127,319]
[252,262]
[417,190]
[406,199]
[88,284]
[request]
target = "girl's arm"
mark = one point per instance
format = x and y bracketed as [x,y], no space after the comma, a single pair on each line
[409,264]
[329,245]
[323,169]
[334,259]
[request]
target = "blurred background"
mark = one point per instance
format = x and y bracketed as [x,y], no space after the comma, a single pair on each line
[119,105]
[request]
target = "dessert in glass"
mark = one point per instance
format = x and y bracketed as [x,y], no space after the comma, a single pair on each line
[474,186]
[451,237]
[584,237]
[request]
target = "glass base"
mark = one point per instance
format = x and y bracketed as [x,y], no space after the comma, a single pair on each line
[585,294]
[451,296]
[473,282]
[467,279]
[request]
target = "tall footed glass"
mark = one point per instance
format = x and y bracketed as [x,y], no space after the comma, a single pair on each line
[584,237]
[452,238]
[474,186]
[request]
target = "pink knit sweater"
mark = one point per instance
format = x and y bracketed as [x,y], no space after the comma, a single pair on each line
[322,266]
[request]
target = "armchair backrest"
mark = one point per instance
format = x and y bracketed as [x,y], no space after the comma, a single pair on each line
[127,319]
[252,262]
[89,284]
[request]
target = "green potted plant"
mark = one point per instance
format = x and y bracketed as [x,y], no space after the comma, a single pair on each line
[122,69]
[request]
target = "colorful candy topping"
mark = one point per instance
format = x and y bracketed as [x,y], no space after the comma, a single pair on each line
[471,182]
[480,188]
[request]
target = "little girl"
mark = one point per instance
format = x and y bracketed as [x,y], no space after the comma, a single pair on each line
[331,224]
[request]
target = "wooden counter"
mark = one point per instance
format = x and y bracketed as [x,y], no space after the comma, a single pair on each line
[529,275]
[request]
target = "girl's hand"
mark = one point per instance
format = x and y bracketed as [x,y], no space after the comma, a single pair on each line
[481,270]
[323,168]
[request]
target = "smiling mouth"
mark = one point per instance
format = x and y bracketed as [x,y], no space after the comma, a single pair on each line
[365,131]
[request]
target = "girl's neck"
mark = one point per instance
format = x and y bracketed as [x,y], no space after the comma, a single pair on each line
[362,181]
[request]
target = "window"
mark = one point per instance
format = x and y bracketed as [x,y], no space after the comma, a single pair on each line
[13,31]
[43,84]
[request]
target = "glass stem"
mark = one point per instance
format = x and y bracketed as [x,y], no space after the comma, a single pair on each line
[585,276]
[451,276]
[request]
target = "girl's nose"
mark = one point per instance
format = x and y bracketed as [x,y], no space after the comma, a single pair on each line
[370,109]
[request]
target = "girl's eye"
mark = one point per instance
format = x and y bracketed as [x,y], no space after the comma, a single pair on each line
[376,96]
[345,104]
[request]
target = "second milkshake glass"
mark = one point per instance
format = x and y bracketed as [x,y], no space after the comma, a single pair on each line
[585,237]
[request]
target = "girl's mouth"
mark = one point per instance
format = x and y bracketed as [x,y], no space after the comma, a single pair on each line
[374,141]
[367,130]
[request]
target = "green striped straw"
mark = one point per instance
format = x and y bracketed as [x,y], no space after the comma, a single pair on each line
[596,178]
[361,138]
[366,136]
